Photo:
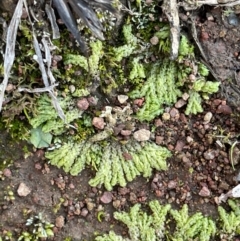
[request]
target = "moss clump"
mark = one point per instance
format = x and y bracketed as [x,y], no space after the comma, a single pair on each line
[190,227]
[166,80]
[229,221]
[109,162]
[46,117]
[154,226]
[83,62]
[141,226]
[159,89]
[166,223]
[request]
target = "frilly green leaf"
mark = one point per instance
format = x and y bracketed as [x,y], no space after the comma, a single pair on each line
[108,161]
[139,224]
[210,87]
[79,60]
[111,237]
[230,222]
[155,226]
[160,88]
[128,48]
[137,72]
[128,35]
[194,104]
[46,116]
[203,70]
[122,52]
[190,227]
[185,48]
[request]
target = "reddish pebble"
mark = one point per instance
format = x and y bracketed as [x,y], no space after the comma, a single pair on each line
[98,122]
[106,197]
[138,102]
[59,222]
[224,109]
[126,132]
[204,192]
[82,104]
[7,172]
[204,36]
[38,166]
[84,212]
[159,140]
[179,146]
[172,184]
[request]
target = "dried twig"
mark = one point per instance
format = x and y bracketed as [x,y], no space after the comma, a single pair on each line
[193,5]
[46,74]
[9,55]
[227,3]
[170,8]
[52,18]
[38,90]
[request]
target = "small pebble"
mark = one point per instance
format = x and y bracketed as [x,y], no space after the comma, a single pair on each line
[23,190]
[106,197]
[174,113]
[166,116]
[154,40]
[180,103]
[185,96]
[224,109]
[192,77]
[209,155]
[82,104]
[233,19]
[59,222]
[207,118]
[116,204]
[98,122]
[7,172]
[84,212]
[142,135]
[189,139]
[204,192]
[72,88]
[90,206]
[125,132]
[138,102]
[122,98]
[172,184]
[204,36]
[179,145]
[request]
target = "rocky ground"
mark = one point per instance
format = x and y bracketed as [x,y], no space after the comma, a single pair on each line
[204,164]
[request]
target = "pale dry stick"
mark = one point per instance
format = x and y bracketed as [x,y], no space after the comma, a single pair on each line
[38,90]
[189,5]
[227,3]
[52,18]
[170,8]
[9,55]
[45,74]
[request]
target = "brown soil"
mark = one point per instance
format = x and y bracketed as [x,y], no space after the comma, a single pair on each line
[199,171]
